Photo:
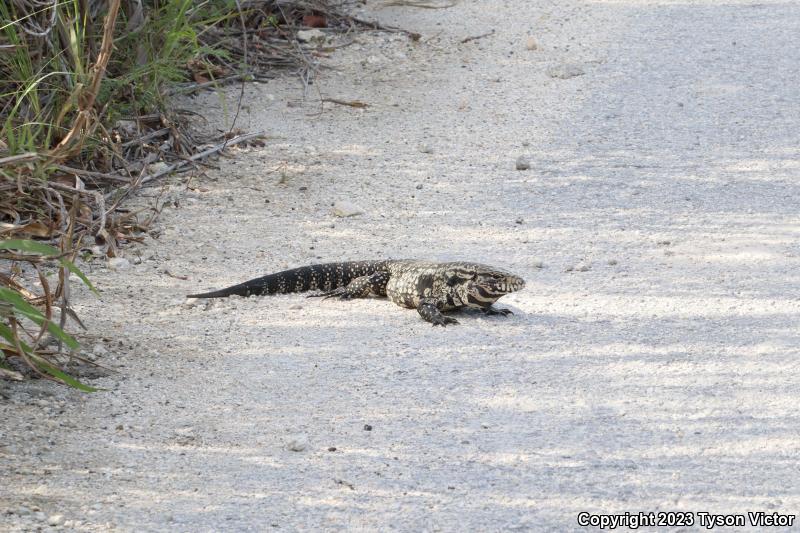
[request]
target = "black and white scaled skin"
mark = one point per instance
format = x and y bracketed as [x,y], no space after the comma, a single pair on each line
[430,288]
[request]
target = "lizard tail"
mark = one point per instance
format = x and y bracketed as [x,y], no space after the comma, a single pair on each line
[325,277]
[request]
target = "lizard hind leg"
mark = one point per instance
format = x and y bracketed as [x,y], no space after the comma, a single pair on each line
[360,287]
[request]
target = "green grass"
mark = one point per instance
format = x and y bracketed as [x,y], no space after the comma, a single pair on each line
[43,78]
[24,342]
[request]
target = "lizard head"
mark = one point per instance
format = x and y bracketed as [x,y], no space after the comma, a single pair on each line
[497,282]
[486,284]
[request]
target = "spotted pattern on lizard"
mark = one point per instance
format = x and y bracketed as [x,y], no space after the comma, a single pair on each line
[430,288]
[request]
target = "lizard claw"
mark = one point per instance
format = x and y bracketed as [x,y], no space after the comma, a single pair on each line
[444,320]
[492,311]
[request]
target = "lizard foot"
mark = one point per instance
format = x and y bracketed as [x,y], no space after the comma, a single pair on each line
[442,320]
[490,311]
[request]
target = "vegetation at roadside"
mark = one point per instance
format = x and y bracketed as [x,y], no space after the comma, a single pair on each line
[85,119]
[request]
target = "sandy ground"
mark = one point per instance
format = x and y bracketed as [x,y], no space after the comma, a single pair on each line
[651,365]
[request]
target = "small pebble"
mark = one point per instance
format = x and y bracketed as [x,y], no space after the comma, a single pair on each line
[523,163]
[519,221]
[332,449]
[367,427]
[531,44]
[56,520]
[307,36]
[118,263]
[346,209]
[419,186]
[426,148]
[158,166]
[612,262]
[537,264]
[565,71]
[297,443]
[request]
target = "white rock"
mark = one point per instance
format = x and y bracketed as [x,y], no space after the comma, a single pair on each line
[158,166]
[426,148]
[346,209]
[523,163]
[56,520]
[119,263]
[531,43]
[127,127]
[307,36]
[297,443]
[565,71]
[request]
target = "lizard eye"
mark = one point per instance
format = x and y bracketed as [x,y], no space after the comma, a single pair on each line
[452,280]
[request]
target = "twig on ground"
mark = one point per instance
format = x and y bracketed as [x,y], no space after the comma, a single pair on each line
[205,153]
[146,137]
[176,276]
[92,174]
[351,103]
[476,37]
[378,26]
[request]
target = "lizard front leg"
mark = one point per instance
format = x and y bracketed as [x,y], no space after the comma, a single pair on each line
[428,310]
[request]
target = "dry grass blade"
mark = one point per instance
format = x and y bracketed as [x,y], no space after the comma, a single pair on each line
[418,3]
[19,158]
[74,139]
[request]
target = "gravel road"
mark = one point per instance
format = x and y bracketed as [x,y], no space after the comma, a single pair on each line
[652,360]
